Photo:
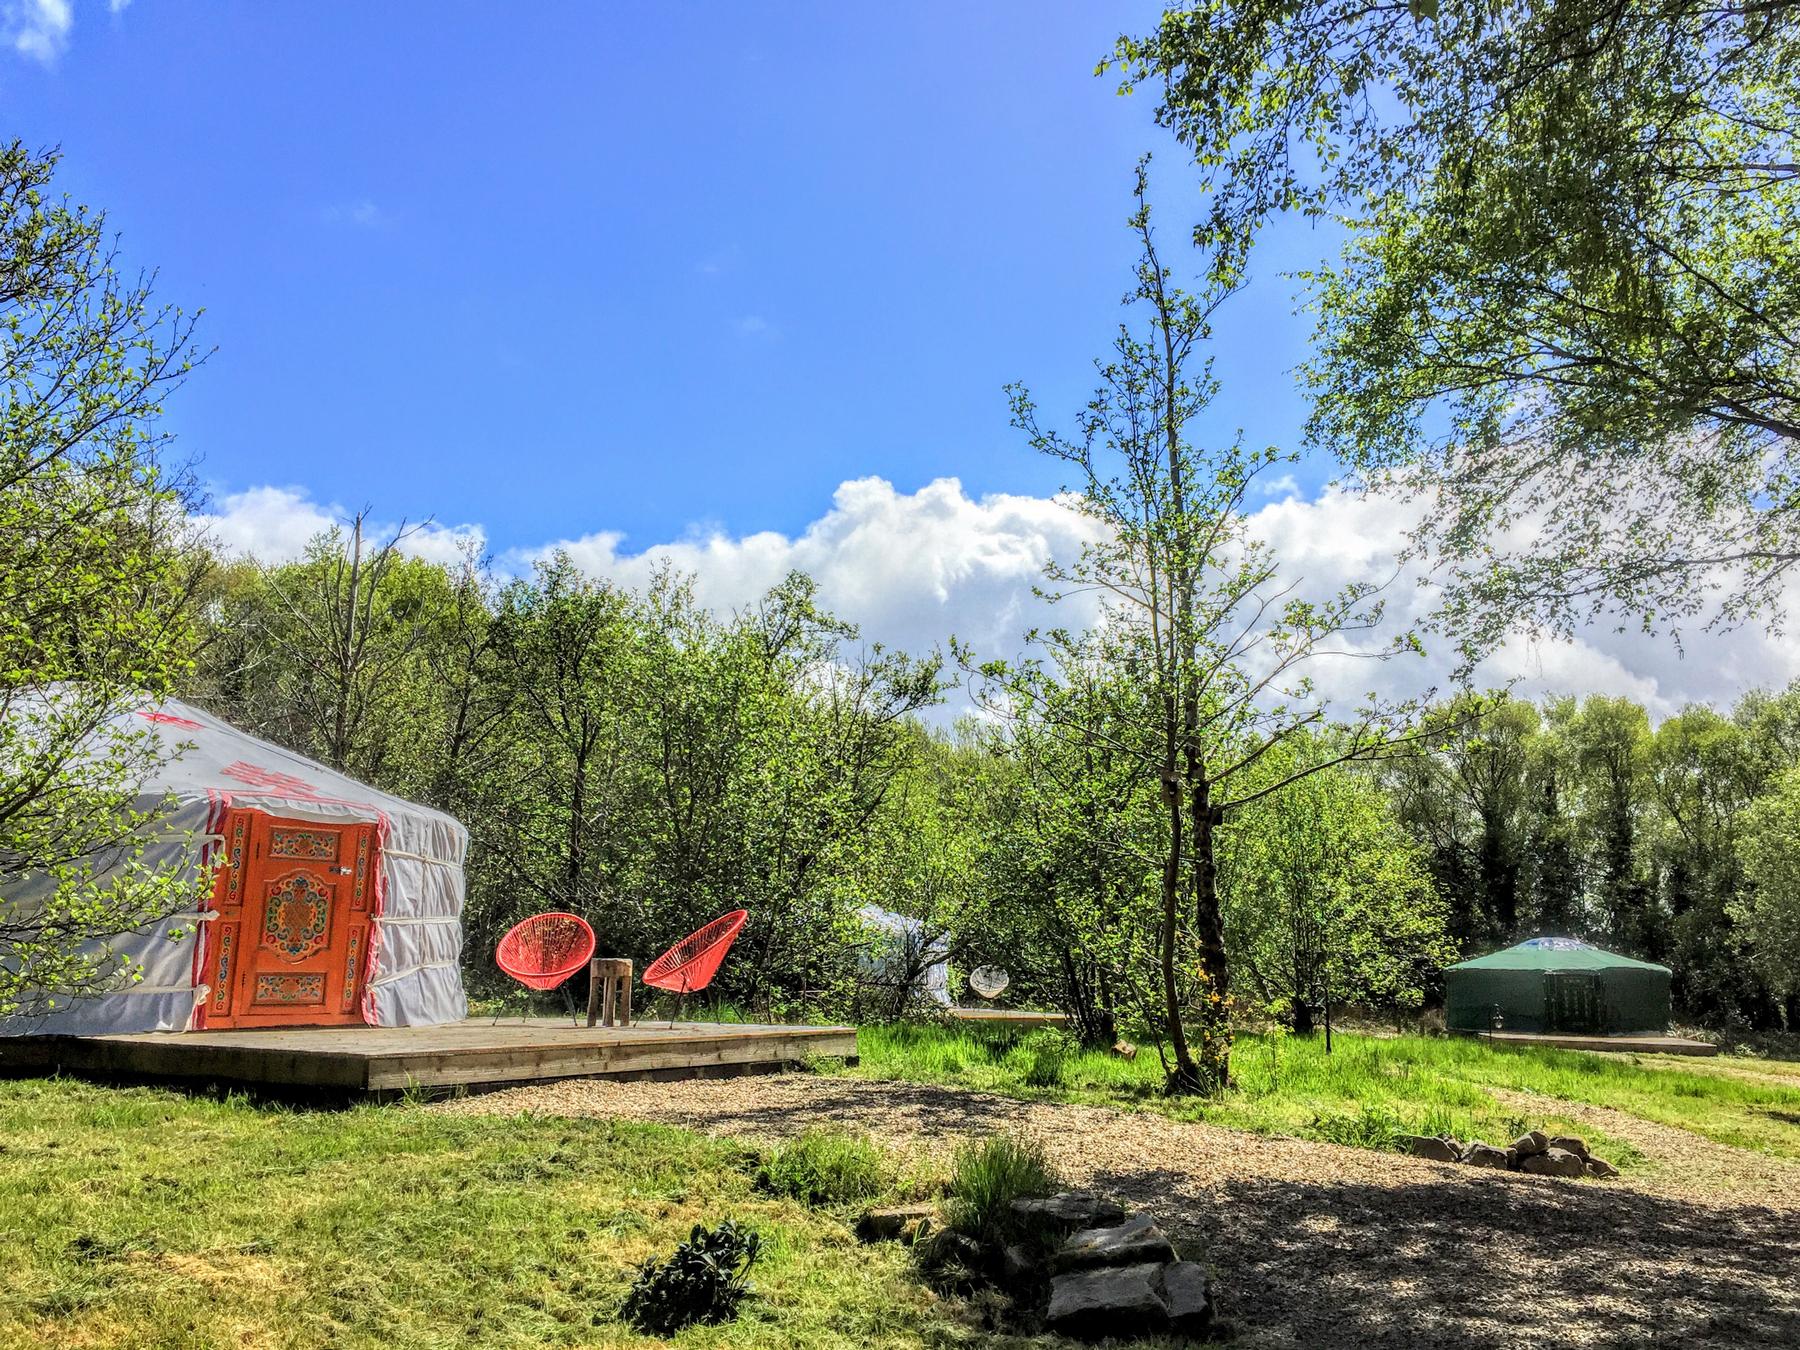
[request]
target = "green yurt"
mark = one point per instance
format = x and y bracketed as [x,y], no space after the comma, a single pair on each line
[1557,985]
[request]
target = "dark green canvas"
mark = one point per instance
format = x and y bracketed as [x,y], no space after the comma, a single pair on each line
[1550,985]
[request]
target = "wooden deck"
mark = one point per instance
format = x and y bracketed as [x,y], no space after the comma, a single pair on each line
[471,1054]
[1008,1017]
[1642,1045]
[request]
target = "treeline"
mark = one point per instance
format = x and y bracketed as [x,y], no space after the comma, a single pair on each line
[626,756]
[639,760]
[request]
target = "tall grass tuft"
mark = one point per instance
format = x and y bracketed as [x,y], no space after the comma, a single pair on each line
[826,1167]
[989,1174]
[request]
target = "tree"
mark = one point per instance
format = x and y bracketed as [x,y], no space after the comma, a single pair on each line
[1770,910]
[1327,901]
[95,574]
[1193,613]
[1568,300]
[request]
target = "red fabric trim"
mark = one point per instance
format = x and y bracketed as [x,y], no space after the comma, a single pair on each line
[376,910]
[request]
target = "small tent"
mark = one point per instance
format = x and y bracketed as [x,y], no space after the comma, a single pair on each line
[332,903]
[1557,985]
[903,959]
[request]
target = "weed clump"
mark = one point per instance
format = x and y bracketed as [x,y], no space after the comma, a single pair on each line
[704,1281]
[989,1175]
[825,1167]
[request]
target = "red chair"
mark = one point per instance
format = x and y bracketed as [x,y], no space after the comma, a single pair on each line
[689,966]
[542,952]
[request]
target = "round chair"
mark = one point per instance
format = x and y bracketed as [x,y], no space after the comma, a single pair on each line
[689,966]
[542,952]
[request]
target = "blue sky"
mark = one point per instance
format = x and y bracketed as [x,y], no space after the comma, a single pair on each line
[566,268]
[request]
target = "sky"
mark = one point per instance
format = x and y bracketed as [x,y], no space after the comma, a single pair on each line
[737,286]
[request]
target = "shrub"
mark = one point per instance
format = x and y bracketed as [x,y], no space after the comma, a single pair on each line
[989,1175]
[704,1281]
[825,1167]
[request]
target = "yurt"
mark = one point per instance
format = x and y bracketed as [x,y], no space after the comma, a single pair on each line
[1553,985]
[332,903]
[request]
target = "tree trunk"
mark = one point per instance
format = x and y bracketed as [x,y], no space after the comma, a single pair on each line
[1186,1077]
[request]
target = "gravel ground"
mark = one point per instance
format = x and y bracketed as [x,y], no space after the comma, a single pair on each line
[1313,1245]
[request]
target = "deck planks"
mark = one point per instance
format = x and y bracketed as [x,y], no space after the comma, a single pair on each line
[386,1060]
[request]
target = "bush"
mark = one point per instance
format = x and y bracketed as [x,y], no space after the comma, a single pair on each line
[825,1167]
[704,1281]
[989,1175]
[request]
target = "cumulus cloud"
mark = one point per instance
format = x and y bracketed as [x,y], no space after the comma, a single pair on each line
[37,29]
[275,524]
[912,568]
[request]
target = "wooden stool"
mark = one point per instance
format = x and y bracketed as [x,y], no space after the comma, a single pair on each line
[609,991]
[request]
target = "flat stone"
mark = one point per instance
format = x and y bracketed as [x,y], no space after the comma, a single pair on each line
[1531,1144]
[1479,1154]
[1112,1301]
[1188,1297]
[1568,1143]
[1134,1242]
[1556,1162]
[1600,1169]
[888,1225]
[1430,1147]
[1069,1211]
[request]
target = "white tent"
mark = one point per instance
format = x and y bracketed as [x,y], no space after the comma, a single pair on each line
[901,956]
[332,902]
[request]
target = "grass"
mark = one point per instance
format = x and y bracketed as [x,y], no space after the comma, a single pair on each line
[1369,1091]
[827,1167]
[988,1175]
[146,1218]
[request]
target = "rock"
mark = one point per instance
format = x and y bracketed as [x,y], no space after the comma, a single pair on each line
[887,1225]
[1112,1301]
[1530,1145]
[1568,1143]
[1431,1147]
[1600,1169]
[1124,1049]
[1512,1159]
[1069,1211]
[946,1248]
[1187,1296]
[1556,1162]
[1134,1242]
[1479,1154]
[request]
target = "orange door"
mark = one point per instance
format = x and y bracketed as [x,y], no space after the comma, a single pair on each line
[291,941]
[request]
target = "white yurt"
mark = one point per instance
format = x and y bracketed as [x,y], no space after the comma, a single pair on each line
[332,903]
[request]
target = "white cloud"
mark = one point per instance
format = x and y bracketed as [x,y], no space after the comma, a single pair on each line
[1285,486]
[912,568]
[118,6]
[275,524]
[363,214]
[754,326]
[38,29]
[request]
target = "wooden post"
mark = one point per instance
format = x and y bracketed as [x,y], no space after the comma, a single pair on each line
[609,991]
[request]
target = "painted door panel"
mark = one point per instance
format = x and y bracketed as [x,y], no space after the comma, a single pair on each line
[290,943]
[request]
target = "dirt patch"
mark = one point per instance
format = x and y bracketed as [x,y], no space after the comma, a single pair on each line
[1315,1245]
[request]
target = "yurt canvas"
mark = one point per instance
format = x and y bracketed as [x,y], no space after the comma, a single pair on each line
[332,903]
[1552,984]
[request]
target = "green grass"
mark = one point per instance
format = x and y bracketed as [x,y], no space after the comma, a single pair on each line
[136,1217]
[827,1167]
[1367,1092]
[988,1175]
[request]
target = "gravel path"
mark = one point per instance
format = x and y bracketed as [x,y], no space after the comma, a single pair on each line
[1314,1245]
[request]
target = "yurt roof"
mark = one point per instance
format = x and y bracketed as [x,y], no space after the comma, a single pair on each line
[1556,953]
